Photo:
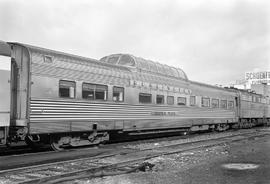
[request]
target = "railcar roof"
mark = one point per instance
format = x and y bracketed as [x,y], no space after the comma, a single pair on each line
[63,54]
[144,64]
[213,86]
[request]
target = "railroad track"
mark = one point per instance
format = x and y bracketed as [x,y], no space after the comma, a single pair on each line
[20,150]
[111,164]
[23,149]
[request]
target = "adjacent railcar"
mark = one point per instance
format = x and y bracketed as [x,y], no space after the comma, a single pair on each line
[267,110]
[254,109]
[67,100]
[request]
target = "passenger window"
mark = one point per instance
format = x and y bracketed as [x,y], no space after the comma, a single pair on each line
[170,100]
[126,61]
[145,98]
[118,94]
[94,91]
[223,104]
[181,101]
[205,102]
[113,59]
[67,89]
[215,103]
[160,99]
[192,100]
[230,104]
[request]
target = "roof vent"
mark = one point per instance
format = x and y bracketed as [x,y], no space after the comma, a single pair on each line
[47,59]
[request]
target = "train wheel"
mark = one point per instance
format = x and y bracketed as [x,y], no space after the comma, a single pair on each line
[56,144]
[56,147]
[33,141]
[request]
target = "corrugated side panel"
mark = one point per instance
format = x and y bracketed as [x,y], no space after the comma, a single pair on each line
[64,115]
[68,67]
[252,110]
[58,72]
[267,111]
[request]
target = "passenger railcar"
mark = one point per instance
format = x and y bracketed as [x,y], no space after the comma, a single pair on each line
[254,109]
[67,100]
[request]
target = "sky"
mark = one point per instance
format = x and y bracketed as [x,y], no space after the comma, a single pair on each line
[214,42]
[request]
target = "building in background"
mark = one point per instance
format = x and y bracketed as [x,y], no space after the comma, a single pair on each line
[263,89]
[258,77]
[258,82]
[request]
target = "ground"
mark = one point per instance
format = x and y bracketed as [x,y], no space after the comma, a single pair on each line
[243,162]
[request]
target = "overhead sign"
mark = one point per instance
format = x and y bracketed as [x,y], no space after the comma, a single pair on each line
[258,77]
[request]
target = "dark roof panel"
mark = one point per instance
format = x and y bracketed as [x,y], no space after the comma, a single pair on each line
[5,49]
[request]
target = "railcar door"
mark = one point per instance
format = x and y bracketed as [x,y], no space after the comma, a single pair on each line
[20,87]
[237,106]
[5,61]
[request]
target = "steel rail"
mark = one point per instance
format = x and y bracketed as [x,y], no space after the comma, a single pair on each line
[101,170]
[125,151]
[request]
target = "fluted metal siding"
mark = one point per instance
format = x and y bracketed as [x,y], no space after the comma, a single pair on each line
[58,115]
[267,110]
[252,109]
[73,68]
[66,115]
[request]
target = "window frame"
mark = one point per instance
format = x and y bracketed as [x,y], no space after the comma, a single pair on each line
[230,107]
[112,58]
[145,94]
[163,99]
[48,59]
[182,98]
[221,101]
[253,98]
[215,99]
[94,97]
[205,98]
[191,104]
[123,94]
[59,94]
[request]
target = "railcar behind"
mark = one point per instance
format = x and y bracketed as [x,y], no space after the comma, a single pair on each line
[254,109]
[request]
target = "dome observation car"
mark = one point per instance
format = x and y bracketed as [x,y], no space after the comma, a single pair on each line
[144,65]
